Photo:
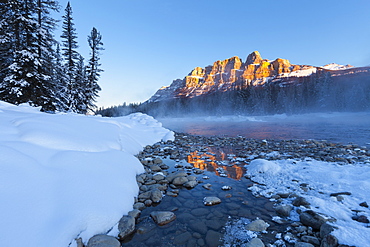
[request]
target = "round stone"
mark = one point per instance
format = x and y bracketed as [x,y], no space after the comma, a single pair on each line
[163,217]
[211,200]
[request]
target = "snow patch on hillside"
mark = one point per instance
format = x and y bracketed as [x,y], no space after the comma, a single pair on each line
[64,176]
[335,66]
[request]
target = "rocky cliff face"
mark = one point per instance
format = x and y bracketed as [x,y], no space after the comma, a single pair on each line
[233,74]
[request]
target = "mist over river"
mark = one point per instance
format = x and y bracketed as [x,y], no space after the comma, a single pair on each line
[335,127]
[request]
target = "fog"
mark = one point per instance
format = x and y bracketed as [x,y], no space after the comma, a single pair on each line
[322,107]
[338,127]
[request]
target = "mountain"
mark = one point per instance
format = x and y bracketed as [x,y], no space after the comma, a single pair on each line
[234,74]
[257,87]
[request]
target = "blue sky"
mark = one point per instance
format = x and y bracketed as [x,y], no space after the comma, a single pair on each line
[149,43]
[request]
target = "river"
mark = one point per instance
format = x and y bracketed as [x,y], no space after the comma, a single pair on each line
[335,127]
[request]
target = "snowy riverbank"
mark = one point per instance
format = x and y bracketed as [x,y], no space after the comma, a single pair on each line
[66,175]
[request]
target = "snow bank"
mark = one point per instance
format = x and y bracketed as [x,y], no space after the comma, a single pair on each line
[322,179]
[64,176]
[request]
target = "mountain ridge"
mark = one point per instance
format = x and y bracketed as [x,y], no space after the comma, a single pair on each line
[234,74]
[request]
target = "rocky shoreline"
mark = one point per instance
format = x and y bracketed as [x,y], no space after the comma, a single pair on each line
[161,180]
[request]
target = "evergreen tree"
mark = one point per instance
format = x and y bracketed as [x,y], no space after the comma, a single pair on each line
[60,81]
[23,58]
[93,68]
[6,38]
[71,56]
[26,52]
[45,90]
[79,95]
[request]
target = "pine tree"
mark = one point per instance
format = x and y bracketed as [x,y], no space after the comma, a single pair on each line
[80,93]
[60,81]
[93,69]
[26,52]
[22,70]
[6,39]
[69,46]
[44,91]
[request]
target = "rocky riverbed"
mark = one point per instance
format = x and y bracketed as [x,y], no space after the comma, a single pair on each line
[195,193]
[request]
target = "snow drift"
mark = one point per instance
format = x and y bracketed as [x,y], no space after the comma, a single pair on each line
[64,176]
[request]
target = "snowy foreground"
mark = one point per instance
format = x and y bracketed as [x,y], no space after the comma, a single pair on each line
[64,176]
[321,179]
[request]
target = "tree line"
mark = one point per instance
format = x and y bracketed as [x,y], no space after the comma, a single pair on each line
[319,92]
[37,69]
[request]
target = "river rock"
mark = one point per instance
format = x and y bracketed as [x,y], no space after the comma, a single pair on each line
[312,219]
[163,217]
[139,206]
[226,187]
[79,242]
[145,195]
[102,240]
[148,203]
[257,226]
[310,239]
[158,176]
[156,195]
[329,241]
[361,218]
[155,168]
[213,238]
[283,210]
[207,186]
[341,193]
[211,200]
[170,177]
[190,184]
[215,224]
[134,213]
[157,161]
[198,226]
[182,238]
[303,244]
[126,226]
[255,242]
[326,229]
[300,201]
[180,180]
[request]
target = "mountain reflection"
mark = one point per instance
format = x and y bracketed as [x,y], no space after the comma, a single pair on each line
[217,161]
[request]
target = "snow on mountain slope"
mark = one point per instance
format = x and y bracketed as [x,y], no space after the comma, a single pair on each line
[335,66]
[64,176]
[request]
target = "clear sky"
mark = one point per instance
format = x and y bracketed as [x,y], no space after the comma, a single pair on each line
[149,43]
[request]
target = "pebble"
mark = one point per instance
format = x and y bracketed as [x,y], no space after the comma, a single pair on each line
[207,186]
[102,240]
[211,200]
[283,210]
[257,226]
[163,217]
[126,226]
[255,242]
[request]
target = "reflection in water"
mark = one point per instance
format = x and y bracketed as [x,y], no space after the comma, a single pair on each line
[216,160]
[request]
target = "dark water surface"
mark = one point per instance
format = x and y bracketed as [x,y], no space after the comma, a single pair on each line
[200,225]
[334,127]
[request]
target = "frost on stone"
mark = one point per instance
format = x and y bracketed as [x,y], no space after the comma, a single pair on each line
[236,234]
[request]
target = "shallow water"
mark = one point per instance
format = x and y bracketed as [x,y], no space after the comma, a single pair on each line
[334,127]
[200,225]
